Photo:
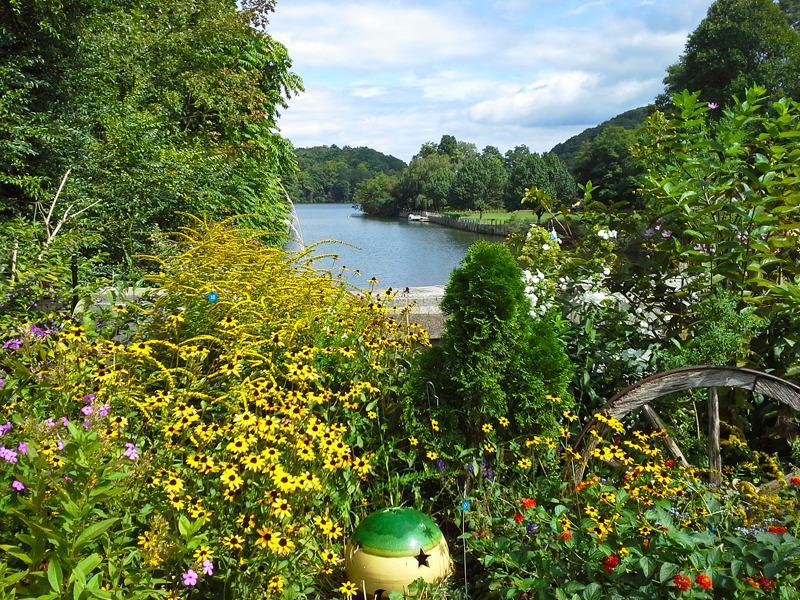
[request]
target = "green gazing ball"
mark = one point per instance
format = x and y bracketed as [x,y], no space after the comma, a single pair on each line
[395,532]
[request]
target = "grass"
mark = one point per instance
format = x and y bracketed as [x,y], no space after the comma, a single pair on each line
[497,216]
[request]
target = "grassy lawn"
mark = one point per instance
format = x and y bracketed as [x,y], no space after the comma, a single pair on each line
[497,216]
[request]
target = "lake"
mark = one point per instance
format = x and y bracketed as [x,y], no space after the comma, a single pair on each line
[397,252]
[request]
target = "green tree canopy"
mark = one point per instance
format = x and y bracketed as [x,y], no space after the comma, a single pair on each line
[157,107]
[479,184]
[606,161]
[739,43]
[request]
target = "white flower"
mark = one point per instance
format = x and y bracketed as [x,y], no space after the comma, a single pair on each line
[545,246]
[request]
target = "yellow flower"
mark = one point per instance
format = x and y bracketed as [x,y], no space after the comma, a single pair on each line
[372,415]
[281,508]
[348,589]
[230,477]
[432,455]
[504,422]
[487,428]
[413,441]
[203,553]
[281,545]
[524,463]
[488,448]
[329,556]
[434,424]
[265,537]
[569,416]
[276,584]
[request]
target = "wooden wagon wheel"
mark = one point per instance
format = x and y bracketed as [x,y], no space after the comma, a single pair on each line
[641,394]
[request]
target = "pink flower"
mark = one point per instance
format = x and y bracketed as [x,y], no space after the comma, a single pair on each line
[18,485]
[22,448]
[87,410]
[208,567]
[130,451]
[189,578]
[713,105]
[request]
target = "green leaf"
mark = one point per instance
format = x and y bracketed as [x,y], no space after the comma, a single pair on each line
[83,568]
[667,571]
[647,566]
[91,532]
[55,575]
[593,591]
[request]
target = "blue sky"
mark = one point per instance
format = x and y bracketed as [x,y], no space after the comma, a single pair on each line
[393,74]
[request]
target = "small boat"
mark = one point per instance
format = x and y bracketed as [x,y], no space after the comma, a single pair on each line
[419,218]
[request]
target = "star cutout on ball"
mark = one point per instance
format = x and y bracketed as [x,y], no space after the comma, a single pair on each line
[422,558]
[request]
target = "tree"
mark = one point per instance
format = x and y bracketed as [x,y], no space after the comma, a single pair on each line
[426,183]
[739,43]
[495,359]
[376,197]
[526,170]
[606,161]
[158,107]
[479,184]
[791,8]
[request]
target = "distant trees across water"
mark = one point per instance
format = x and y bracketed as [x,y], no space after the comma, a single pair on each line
[453,174]
[332,174]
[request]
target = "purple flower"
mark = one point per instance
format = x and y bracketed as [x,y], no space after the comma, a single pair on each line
[531,527]
[440,465]
[490,474]
[87,410]
[88,398]
[130,451]
[208,567]
[17,485]
[38,331]
[713,105]
[2,383]
[471,468]
[13,344]
[648,233]
[4,429]
[666,233]
[50,423]
[8,455]
[189,578]
[64,421]
[86,424]
[22,448]
[59,444]
[103,410]
[67,478]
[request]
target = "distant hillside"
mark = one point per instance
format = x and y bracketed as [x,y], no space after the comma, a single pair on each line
[569,149]
[331,174]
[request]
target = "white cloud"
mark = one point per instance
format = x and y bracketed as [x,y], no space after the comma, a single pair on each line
[373,36]
[369,92]
[396,73]
[579,10]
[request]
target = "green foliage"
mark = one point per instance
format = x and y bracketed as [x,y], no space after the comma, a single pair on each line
[375,196]
[478,184]
[495,359]
[333,174]
[723,199]
[158,109]
[738,44]
[426,183]
[720,334]
[526,170]
[568,150]
[606,161]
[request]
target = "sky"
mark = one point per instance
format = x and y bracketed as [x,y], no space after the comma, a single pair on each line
[392,74]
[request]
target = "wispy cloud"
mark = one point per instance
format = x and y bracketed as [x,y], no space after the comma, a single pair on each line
[394,74]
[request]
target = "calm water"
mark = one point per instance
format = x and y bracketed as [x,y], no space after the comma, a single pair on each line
[397,252]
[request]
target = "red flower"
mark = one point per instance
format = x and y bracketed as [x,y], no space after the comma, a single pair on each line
[752,582]
[795,481]
[682,582]
[766,584]
[609,562]
[670,463]
[518,517]
[777,529]
[566,536]
[704,581]
[527,503]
